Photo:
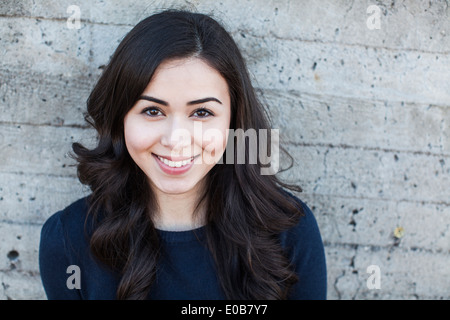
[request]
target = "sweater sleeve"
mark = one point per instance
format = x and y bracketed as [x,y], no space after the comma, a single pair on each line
[308,257]
[54,261]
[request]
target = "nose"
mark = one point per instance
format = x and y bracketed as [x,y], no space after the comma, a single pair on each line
[177,136]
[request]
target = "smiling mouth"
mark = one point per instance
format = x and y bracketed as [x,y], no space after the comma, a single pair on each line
[175,164]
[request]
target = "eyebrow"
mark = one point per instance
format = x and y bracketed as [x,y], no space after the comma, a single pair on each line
[190,103]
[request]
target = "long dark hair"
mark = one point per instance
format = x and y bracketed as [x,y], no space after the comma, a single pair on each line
[246,211]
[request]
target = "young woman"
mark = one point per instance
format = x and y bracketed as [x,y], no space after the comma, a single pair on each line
[168,218]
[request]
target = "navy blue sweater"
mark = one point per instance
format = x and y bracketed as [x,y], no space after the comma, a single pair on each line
[186,270]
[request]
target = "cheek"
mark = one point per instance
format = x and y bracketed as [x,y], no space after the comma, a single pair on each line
[215,135]
[214,141]
[138,138]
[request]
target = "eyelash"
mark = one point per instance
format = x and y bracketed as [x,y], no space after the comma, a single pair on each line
[147,111]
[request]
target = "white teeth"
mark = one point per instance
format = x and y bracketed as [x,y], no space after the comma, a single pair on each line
[175,164]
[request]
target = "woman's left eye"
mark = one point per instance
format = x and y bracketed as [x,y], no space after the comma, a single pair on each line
[202,113]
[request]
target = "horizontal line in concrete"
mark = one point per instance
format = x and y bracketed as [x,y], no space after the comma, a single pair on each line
[249,33]
[355,147]
[40,174]
[329,96]
[64,19]
[21,223]
[22,272]
[393,246]
[382,199]
[45,124]
[344,44]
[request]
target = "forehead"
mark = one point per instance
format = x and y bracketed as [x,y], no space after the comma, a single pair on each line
[187,75]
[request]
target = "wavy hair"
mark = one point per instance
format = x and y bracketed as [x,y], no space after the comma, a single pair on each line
[246,211]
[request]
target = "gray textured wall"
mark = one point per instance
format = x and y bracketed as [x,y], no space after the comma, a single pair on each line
[364,111]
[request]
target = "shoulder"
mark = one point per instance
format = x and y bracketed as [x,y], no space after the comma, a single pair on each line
[61,243]
[69,221]
[305,248]
[306,226]
[64,231]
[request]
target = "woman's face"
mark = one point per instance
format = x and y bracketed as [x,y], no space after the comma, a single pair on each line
[177,130]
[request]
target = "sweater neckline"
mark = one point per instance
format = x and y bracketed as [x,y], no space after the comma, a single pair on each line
[182,236]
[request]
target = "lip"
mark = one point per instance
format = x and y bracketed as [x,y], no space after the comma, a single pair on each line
[174,170]
[173,158]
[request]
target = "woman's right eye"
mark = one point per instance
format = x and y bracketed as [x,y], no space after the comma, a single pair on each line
[152,111]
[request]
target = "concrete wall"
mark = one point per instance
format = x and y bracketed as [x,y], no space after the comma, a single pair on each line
[365,112]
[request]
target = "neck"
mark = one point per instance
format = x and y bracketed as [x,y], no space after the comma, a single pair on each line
[177,212]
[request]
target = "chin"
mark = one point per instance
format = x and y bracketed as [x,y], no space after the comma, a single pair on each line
[170,187]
